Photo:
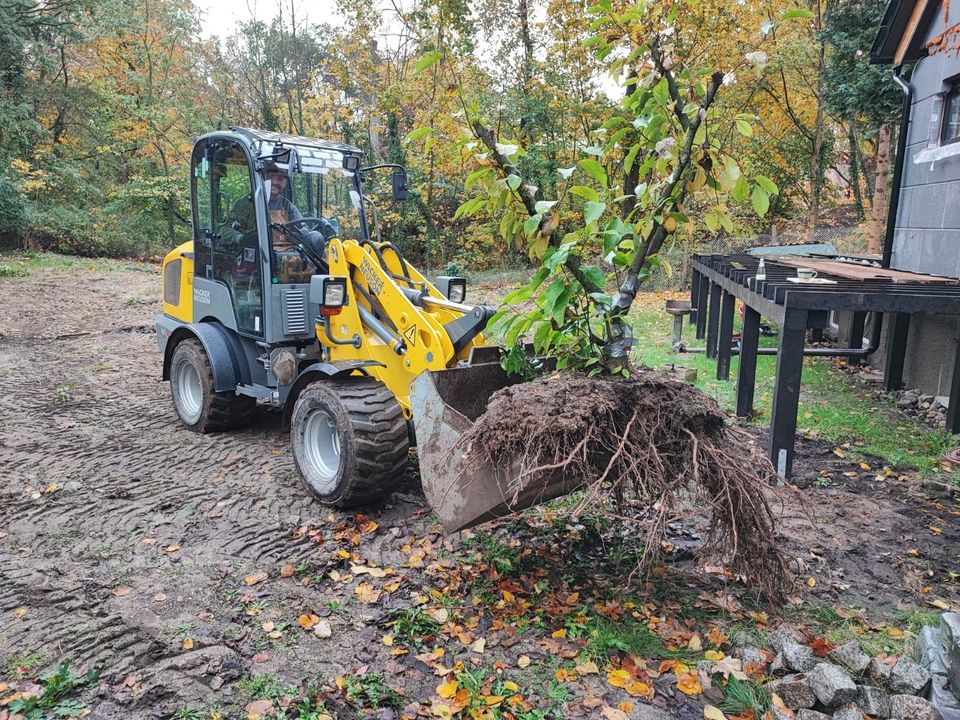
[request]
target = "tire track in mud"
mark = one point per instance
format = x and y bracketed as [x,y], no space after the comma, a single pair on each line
[89,413]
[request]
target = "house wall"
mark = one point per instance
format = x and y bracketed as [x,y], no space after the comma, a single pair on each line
[927,234]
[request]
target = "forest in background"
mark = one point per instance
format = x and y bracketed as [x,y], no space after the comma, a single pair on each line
[100,101]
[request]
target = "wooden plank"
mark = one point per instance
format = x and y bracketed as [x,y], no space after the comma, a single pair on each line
[909,31]
[853,271]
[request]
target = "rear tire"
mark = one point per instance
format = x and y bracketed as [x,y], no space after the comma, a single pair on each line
[191,384]
[350,441]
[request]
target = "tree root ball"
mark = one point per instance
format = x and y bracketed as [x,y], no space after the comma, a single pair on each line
[644,443]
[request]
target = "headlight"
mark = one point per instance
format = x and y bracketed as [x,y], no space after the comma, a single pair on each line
[454,288]
[334,292]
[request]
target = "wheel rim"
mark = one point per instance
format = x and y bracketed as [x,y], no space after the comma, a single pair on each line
[189,392]
[321,449]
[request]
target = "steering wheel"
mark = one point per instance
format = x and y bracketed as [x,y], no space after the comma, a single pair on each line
[309,224]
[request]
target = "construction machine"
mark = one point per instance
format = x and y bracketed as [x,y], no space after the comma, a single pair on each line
[286,298]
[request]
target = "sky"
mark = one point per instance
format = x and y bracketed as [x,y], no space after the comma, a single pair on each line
[222,16]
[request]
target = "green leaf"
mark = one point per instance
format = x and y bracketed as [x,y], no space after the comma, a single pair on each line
[767,184]
[744,128]
[565,173]
[538,277]
[473,177]
[587,193]
[552,293]
[555,257]
[592,211]
[593,150]
[741,189]
[513,181]
[560,306]
[795,13]
[469,207]
[726,221]
[544,206]
[595,170]
[426,60]
[712,221]
[760,199]
[595,275]
[415,135]
[531,224]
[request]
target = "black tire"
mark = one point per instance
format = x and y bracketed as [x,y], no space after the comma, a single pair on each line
[350,441]
[191,384]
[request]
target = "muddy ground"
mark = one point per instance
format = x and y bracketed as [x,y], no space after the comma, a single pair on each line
[180,565]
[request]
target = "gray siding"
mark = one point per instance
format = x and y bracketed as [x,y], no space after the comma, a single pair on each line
[927,235]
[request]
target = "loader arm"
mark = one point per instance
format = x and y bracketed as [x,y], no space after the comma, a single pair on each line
[395,317]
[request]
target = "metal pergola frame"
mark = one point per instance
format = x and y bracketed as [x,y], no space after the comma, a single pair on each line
[720,280]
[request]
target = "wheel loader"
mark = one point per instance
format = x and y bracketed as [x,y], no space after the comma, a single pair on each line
[284,298]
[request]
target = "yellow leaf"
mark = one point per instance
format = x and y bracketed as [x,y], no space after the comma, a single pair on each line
[21,612]
[307,621]
[561,633]
[611,713]
[366,593]
[267,627]
[255,578]
[619,678]
[713,655]
[511,686]
[811,582]
[287,571]
[564,675]
[838,452]
[936,530]
[695,643]
[479,645]
[864,466]
[388,640]
[626,706]
[493,700]
[710,712]
[173,548]
[588,668]
[894,632]
[689,684]
[188,643]
[447,689]
[507,596]
[121,591]
[523,661]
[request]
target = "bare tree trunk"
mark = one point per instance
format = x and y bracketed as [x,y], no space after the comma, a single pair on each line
[527,71]
[816,187]
[878,213]
[855,169]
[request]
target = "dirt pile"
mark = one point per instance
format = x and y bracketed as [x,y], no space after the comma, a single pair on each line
[643,445]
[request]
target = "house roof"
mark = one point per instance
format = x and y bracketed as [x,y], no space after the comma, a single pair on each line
[900,37]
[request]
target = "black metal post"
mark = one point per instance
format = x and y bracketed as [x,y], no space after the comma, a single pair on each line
[856,329]
[747,373]
[694,297]
[896,352]
[713,321]
[702,298]
[786,395]
[728,305]
[953,411]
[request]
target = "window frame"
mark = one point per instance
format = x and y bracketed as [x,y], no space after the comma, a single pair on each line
[949,97]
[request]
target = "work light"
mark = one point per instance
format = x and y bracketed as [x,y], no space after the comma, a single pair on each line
[330,292]
[454,288]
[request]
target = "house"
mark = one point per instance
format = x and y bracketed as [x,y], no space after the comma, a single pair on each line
[923,226]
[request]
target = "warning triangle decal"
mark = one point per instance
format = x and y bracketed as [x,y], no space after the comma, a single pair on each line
[411,335]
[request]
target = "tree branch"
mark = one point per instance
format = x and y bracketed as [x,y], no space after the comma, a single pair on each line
[658,60]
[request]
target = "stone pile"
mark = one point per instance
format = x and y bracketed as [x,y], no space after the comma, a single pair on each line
[847,684]
[931,409]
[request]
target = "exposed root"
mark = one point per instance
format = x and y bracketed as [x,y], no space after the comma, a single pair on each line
[644,442]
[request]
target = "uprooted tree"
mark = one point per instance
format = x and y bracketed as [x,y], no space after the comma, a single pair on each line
[631,435]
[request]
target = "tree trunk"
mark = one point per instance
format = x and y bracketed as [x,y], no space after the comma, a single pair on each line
[816,187]
[878,213]
[855,170]
[527,71]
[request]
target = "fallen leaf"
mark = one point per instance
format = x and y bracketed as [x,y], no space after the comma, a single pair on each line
[287,571]
[267,626]
[695,643]
[588,668]
[523,661]
[612,713]
[626,706]
[366,592]
[479,645]
[811,582]
[441,615]
[188,643]
[564,675]
[689,684]
[713,655]
[822,647]
[447,690]
[936,530]
[173,548]
[121,591]
[159,597]
[261,657]
[388,640]
[148,541]
[255,578]
[711,712]
[561,633]
[259,709]
[511,686]
[308,621]
[20,612]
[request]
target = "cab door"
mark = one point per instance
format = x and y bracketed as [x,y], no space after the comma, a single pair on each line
[228,285]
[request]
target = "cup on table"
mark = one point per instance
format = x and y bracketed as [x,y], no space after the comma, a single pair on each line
[806,273]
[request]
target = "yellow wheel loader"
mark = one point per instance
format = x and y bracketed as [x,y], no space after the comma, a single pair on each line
[284,298]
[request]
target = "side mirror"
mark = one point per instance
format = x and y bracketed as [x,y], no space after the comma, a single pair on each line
[399,182]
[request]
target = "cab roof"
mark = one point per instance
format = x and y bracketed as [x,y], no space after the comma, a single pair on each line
[267,136]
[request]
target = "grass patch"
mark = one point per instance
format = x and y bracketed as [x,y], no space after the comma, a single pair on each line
[370,691]
[740,697]
[22,664]
[54,701]
[411,627]
[602,635]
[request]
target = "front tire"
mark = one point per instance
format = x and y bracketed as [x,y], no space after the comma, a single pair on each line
[350,441]
[200,408]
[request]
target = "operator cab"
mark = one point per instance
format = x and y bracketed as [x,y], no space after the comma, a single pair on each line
[265,205]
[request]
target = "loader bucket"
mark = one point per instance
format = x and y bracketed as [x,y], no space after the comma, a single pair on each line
[466,492]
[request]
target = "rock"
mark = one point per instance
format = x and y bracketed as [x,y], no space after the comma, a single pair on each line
[848,712]
[910,707]
[950,628]
[797,657]
[906,401]
[924,405]
[926,398]
[851,656]
[832,685]
[811,715]
[878,673]
[752,654]
[943,401]
[780,636]
[944,703]
[873,701]
[777,663]
[907,678]
[794,690]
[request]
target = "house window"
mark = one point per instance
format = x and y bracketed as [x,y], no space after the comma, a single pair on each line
[950,126]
